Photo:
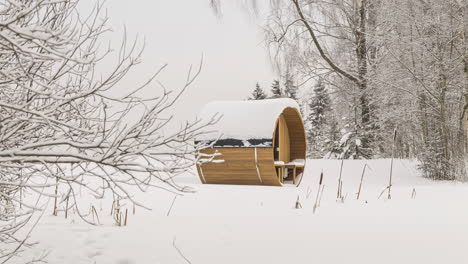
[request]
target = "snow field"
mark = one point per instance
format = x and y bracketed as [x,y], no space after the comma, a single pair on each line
[259,224]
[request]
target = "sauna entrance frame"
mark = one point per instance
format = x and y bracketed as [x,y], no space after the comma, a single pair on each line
[285,150]
[281,149]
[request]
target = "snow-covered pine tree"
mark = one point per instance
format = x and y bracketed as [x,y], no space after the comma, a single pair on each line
[276,89]
[319,104]
[333,136]
[290,89]
[258,93]
[319,107]
[350,145]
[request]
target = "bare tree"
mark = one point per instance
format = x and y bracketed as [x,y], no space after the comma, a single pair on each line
[387,64]
[319,28]
[62,122]
[428,53]
[329,41]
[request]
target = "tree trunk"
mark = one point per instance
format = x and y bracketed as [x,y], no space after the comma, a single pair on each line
[361,54]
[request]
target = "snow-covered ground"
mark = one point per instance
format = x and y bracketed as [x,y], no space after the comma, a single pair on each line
[257,224]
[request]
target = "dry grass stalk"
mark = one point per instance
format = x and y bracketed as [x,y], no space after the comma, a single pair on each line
[172,204]
[66,207]
[298,204]
[180,252]
[360,183]
[339,194]
[383,191]
[126,217]
[116,212]
[21,198]
[318,192]
[94,213]
[343,197]
[391,166]
[112,208]
[321,195]
[117,207]
[56,197]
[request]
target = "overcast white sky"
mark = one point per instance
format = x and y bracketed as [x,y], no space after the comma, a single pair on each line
[179,32]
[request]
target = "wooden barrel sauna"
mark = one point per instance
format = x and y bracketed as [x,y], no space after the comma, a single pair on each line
[257,142]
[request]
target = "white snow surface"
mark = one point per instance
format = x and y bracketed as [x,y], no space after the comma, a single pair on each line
[259,224]
[297,162]
[244,120]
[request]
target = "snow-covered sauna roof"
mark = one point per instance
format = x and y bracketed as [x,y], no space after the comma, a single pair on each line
[244,123]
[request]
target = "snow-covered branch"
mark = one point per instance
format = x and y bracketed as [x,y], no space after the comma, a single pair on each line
[62,121]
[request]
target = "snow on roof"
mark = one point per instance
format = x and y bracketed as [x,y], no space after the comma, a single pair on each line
[244,120]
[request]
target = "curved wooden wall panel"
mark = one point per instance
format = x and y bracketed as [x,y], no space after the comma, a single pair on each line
[297,136]
[239,167]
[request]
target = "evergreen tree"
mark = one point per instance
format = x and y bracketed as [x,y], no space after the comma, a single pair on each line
[276,89]
[258,93]
[333,136]
[319,126]
[350,145]
[290,89]
[319,104]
